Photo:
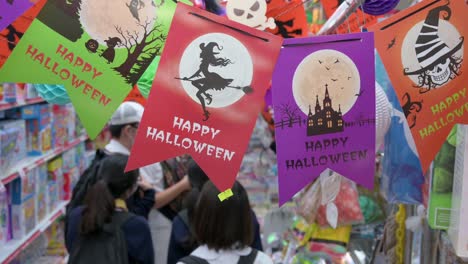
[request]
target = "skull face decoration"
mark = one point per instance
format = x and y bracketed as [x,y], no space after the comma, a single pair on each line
[251,13]
[439,62]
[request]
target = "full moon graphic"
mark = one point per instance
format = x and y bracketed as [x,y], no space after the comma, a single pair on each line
[240,70]
[326,68]
[447,33]
[100,18]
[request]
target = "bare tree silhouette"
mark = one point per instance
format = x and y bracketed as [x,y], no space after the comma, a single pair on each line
[290,112]
[140,52]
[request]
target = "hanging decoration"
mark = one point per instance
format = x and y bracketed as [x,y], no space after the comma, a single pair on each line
[97,49]
[12,33]
[251,13]
[354,22]
[146,80]
[290,18]
[423,48]
[54,94]
[10,10]
[379,7]
[324,105]
[209,90]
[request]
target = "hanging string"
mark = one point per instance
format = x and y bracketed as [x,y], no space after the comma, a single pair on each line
[294,7]
[230,27]
[328,42]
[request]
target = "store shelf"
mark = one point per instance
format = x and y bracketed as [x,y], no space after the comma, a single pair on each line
[27,102]
[13,248]
[31,162]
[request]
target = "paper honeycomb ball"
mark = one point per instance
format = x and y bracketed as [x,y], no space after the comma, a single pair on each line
[379,7]
[52,93]
[146,80]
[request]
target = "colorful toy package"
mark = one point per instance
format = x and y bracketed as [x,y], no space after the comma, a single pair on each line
[23,217]
[440,198]
[12,143]
[24,187]
[39,128]
[7,93]
[4,215]
[59,126]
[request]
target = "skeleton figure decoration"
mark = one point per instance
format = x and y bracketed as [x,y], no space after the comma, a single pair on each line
[251,13]
[439,62]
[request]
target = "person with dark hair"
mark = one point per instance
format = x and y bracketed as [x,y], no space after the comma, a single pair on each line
[104,210]
[123,128]
[183,240]
[224,229]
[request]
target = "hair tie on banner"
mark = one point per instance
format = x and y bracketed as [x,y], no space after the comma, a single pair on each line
[412,13]
[225,195]
[231,27]
[315,43]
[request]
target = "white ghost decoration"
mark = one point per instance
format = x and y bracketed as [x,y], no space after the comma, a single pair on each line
[251,13]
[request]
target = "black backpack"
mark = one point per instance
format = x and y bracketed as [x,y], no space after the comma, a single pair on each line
[249,259]
[105,247]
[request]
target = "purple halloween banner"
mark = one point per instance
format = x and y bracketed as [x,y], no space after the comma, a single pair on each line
[10,10]
[324,104]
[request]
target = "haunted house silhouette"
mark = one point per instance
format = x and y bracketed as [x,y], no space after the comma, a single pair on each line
[325,120]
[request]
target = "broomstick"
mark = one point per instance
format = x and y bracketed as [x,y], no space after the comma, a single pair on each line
[246,89]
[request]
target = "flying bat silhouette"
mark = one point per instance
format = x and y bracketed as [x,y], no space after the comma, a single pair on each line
[337,61]
[349,77]
[334,80]
[359,94]
[391,44]
[320,62]
[327,68]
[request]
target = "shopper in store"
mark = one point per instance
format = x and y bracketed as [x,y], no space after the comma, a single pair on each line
[123,128]
[183,241]
[224,229]
[103,230]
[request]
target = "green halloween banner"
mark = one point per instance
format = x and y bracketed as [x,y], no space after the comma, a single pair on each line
[97,49]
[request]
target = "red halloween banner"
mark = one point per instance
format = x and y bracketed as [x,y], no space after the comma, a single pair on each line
[290,18]
[423,51]
[206,96]
[11,35]
[355,21]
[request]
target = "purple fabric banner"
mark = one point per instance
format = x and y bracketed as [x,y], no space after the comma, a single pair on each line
[324,103]
[12,9]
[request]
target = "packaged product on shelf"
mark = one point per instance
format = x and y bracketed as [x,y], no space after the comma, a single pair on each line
[12,143]
[71,120]
[55,185]
[52,196]
[7,93]
[23,217]
[25,91]
[41,189]
[4,215]
[59,125]
[441,184]
[24,187]
[458,231]
[55,237]
[39,128]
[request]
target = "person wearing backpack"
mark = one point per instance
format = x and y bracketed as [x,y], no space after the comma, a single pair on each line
[182,241]
[123,127]
[224,229]
[103,230]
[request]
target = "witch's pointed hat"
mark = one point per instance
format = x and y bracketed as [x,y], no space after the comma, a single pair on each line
[430,49]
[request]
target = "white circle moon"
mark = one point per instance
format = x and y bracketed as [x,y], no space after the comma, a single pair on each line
[101,17]
[326,67]
[447,33]
[240,70]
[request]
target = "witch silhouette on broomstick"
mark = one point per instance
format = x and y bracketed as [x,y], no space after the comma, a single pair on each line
[211,80]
